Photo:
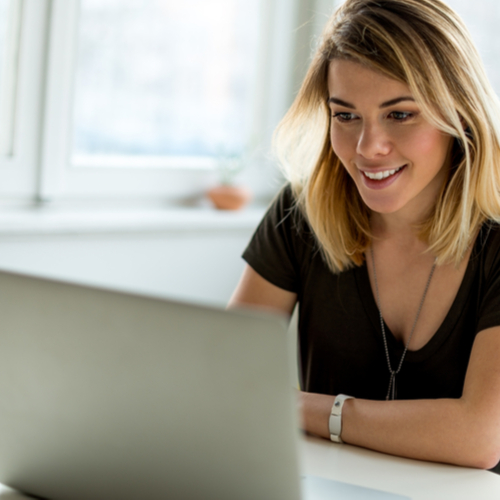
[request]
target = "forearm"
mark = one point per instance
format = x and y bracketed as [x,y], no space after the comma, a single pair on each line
[434,430]
[442,430]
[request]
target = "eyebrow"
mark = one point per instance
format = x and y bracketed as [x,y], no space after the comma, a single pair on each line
[385,104]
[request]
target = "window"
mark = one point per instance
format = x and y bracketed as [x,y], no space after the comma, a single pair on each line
[77,164]
[164,78]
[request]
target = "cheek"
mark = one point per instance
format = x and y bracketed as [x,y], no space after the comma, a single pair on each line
[430,144]
[342,145]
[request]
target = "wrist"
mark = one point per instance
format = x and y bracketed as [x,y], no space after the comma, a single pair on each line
[315,413]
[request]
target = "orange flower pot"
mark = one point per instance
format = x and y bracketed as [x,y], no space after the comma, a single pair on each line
[229,197]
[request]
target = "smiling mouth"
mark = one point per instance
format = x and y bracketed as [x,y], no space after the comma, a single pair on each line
[378,176]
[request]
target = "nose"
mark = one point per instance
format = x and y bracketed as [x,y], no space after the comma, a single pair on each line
[373,141]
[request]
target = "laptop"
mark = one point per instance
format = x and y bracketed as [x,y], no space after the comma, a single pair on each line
[107,395]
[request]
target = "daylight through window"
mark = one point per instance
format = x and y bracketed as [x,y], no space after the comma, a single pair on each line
[165,78]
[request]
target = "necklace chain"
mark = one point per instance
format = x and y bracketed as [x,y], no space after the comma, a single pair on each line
[391,391]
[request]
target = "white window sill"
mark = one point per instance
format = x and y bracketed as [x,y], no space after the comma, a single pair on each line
[63,221]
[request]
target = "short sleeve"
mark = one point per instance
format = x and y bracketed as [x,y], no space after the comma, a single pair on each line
[489,310]
[277,246]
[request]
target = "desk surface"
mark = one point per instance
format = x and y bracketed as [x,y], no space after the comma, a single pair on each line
[416,479]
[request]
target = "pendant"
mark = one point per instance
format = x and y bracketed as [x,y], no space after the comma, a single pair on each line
[391,391]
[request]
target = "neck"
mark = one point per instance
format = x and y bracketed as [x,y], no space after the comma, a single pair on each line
[397,234]
[395,226]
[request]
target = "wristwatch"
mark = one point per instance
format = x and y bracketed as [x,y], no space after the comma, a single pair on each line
[335,422]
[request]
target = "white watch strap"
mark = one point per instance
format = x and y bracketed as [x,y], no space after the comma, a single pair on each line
[335,422]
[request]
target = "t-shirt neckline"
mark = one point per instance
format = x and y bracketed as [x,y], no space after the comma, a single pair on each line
[446,327]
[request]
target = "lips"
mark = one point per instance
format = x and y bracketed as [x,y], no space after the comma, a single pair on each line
[381,179]
[382,174]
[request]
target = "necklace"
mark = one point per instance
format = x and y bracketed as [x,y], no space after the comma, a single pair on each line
[391,391]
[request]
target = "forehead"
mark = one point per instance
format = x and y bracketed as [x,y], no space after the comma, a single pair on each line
[352,82]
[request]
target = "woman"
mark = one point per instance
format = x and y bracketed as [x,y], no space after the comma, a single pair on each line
[387,236]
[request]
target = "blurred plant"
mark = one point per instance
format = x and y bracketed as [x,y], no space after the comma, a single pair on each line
[226,195]
[229,167]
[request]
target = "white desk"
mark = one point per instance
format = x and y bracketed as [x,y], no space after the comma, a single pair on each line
[418,480]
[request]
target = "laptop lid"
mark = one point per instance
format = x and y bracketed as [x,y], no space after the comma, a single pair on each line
[111,395]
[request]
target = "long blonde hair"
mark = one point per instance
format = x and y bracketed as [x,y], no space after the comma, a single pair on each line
[425,45]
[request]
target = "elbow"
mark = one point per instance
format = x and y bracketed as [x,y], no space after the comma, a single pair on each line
[483,449]
[477,436]
[482,459]
[486,455]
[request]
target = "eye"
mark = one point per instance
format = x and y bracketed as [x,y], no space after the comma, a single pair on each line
[344,117]
[400,116]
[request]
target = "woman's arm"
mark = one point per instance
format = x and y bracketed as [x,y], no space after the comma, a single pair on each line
[254,290]
[463,431]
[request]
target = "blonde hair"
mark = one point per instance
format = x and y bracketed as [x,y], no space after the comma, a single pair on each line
[425,45]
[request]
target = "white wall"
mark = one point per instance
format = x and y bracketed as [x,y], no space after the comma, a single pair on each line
[199,266]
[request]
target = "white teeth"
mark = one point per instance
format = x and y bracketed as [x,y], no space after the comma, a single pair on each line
[381,175]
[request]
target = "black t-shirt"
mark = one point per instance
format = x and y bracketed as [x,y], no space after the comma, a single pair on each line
[340,338]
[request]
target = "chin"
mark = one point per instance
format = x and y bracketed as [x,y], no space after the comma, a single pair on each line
[383,206]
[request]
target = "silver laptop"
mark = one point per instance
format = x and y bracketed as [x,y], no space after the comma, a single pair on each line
[108,395]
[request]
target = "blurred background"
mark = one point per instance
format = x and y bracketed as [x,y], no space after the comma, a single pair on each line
[117,116]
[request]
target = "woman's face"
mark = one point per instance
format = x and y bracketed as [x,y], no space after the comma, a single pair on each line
[397,159]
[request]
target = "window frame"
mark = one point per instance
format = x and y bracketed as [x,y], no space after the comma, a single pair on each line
[18,170]
[8,77]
